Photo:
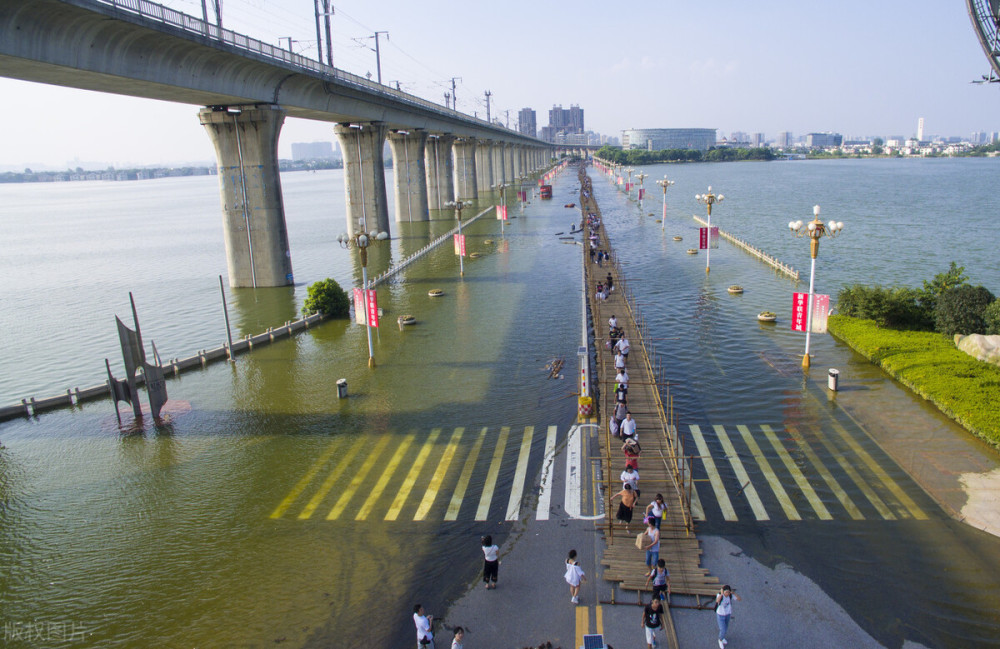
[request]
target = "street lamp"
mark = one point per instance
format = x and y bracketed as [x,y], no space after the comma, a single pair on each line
[641,176]
[664,184]
[708,199]
[815,229]
[362,241]
[502,188]
[458,205]
[628,185]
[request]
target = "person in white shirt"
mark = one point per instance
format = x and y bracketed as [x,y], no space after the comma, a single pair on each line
[630,477]
[423,623]
[491,562]
[627,428]
[619,361]
[612,323]
[724,612]
[621,378]
[623,347]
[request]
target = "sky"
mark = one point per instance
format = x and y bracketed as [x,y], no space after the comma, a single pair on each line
[859,68]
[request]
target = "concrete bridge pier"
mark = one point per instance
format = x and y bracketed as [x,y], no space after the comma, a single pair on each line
[438,164]
[465,169]
[410,175]
[497,156]
[508,163]
[484,166]
[253,215]
[364,176]
[518,160]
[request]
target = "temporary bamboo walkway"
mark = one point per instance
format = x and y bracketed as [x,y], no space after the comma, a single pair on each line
[662,467]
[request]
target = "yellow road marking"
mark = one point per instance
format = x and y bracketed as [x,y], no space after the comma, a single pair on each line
[874,467]
[582,624]
[769,474]
[463,479]
[359,478]
[831,482]
[800,479]
[306,479]
[728,513]
[741,474]
[600,619]
[334,475]
[439,473]
[411,477]
[491,477]
[856,477]
[383,481]
[517,488]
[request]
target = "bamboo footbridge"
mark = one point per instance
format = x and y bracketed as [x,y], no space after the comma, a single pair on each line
[663,468]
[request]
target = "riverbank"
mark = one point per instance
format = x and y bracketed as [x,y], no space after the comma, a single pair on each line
[962,387]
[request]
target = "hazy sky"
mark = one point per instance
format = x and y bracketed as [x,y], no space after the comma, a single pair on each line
[858,67]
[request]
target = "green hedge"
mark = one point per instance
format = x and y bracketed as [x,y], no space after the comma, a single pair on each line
[965,389]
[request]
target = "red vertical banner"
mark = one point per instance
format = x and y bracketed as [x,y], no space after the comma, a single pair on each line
[501,212]
[459,244]
[800,303]
[703,238]
[642,192]
[821,309]
[359,306]
[372,308]
[713,238]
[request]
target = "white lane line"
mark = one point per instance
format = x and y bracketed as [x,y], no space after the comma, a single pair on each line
[769,474]
[520,473]
[548,468]
[741,474]
[728,513]
[797,475]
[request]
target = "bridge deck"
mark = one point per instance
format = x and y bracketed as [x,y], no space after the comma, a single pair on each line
[659,468]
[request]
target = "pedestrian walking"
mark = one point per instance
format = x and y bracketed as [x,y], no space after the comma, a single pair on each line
[491,562]
[600,259]
[612,323]
[627,428]
[630,477]
[610,283]
[652,621]
[660,578]
[613,426]
[631,449]
[724,612]
[456,642]
[620,414]
[574,577]
[619,361]
[623,347]
[425,638]
[652,546]
[656,509]
[625,507]
[622,378]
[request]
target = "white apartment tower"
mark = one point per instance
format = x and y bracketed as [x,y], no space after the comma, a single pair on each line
[920,129]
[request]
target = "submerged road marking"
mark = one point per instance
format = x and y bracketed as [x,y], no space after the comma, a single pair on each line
[483,512]
[383,481]
[800,479]
[517,488]
[741,474]
[359,478]
[411,477]
[548,468]
[728,513]
[769,474]
[439,473]
[331,478]
[831,482]
[306,479]
[856,477]
[463,479]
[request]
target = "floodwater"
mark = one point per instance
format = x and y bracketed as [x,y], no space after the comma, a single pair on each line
[265,510]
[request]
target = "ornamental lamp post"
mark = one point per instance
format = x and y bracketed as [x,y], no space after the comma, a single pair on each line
[458,205]
[709,199]
[628,185]
[362,241]
[502,188]
[641,176]
[664,184]
[815,230]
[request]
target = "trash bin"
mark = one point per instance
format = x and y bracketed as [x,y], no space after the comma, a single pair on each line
[833,380]
[342,388]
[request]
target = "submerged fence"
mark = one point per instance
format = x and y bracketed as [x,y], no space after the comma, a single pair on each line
[755,252]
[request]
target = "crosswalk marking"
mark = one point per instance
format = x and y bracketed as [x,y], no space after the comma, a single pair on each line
[873,466]
[517,489]
[800,480]
[741,474]
[359,478]
[411,477]
[297,490]
[728,513]
[463,480]
[383,481]
[483,512]
[769,474]
[331,479]
[831,482]
[439,473]
[548,469]
[856,478]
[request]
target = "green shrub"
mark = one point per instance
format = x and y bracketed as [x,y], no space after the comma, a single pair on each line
[896,307]
[328,298]
[992,318]
[932,290]
[960,310]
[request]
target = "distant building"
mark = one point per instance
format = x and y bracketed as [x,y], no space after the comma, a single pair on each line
[784,139]
[569,120]
[526,122]
[757,140]
[920,129]
[313,151]
[822,140]
[657,139]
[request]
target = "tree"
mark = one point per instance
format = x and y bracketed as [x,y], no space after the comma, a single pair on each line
[961,310]
[992,318]
[932,290]
[328,298]
[877,146]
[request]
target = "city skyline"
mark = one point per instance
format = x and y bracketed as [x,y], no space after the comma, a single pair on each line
[874,71]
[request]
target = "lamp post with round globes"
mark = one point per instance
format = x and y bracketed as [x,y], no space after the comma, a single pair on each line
[628,185]
[458,205]
[815,230]
[502,188]
[362,241]
[664,184]
[708,199]
[641,176]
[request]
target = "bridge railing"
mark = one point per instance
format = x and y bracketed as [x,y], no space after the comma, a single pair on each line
[190,24]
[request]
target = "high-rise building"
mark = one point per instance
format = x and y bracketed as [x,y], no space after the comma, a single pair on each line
[784,139]
[920,129]
[824,139]
[658,139]
[569,120]
[526,122]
